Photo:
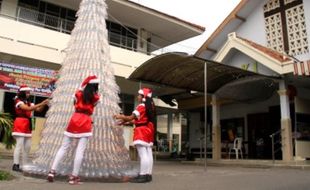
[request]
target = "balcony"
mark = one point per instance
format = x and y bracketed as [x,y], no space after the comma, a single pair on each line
[66,26]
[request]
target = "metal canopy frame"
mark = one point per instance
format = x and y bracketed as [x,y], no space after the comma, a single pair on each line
[180,70]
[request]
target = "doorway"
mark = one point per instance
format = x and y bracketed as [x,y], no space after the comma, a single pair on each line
[259,142]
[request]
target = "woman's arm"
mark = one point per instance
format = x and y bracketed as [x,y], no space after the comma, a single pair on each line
[125,118]
[33,107]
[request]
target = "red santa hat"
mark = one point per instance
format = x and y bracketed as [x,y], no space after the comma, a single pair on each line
[89,80]
[146,92]
[24,87]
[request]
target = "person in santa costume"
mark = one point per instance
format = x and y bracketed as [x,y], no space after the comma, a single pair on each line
[143,117]
[22,124]
[79,127]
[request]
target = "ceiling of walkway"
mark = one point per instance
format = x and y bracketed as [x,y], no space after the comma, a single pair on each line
[186,72]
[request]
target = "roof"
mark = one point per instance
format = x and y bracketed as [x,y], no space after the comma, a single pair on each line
[278,63]
[182,71]
[230,23]
[270,52]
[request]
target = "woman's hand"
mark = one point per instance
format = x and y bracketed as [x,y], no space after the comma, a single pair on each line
[118,116]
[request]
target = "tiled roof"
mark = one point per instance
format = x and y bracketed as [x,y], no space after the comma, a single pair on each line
[270,52]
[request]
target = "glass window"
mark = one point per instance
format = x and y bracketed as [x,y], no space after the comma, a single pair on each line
[127,103]
[52,9]
[122,36]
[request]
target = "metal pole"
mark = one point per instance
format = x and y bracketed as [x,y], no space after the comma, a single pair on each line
[272,148]
[205,110]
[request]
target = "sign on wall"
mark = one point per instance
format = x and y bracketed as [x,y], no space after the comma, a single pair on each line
[42,81]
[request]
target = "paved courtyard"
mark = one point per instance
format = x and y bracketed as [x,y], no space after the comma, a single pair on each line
[173,175]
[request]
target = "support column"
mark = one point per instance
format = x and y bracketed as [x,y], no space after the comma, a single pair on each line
[9,7]
[216,129]
[1,100]
[286,126]
[170,131]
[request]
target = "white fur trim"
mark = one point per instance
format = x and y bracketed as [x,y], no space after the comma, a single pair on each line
[140,92]
[94,81]
[137,114]
[140,142]
[77,135]
[149,95]
[25,89]
[21,134]
[19,103]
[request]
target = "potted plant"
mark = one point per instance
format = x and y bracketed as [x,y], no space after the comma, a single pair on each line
[6,125]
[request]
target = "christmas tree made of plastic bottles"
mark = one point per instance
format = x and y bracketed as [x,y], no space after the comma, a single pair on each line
[88,53]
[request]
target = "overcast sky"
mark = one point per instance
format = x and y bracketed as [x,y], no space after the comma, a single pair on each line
[206,13]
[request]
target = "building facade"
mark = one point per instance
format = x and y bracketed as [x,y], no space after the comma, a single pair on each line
[34,35]
[271,38]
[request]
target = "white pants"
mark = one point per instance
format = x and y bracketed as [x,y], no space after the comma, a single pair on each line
[78,154]
[23,144]
[146,159]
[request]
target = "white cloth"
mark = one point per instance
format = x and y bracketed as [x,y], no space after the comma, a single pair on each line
[146,159]
[79,154]
[23,144]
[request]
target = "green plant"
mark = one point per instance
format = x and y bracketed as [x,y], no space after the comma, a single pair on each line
[5,175]
[6,125]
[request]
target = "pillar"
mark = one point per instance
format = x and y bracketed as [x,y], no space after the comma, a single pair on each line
[216,129]
[286,124]
[170,131]
[9,7]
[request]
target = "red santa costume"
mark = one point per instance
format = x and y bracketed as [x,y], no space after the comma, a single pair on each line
[22,125]
[21,129]
[143,138]
[144,129]
[80,128]
[80,123]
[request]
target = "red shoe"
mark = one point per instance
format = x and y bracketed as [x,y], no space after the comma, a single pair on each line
[74,180]
[51,176]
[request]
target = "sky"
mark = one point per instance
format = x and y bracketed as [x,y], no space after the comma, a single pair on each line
[207,13]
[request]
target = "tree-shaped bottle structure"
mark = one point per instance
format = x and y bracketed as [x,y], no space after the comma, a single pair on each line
[88,53]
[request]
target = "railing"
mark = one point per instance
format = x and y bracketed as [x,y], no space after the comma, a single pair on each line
[44,20]
[275,136]
[66,26]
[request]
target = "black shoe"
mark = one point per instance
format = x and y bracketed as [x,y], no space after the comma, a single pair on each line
[149,177]
[140,179]
[16,168]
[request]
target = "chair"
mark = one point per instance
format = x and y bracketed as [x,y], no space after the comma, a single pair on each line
[237,147]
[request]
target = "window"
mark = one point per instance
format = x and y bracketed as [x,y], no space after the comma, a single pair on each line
[122,36]
[47,14]
[31,4]
[127,103]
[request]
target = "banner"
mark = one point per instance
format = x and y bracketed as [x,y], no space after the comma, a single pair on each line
[42,81]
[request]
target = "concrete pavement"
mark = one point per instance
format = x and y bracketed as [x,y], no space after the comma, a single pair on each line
[176,175]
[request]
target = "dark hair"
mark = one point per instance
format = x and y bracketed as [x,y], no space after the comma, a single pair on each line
[22,96]
[89,92]
[150,109]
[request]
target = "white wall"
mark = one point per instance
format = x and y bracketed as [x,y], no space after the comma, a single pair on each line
[254,27]
[239,60]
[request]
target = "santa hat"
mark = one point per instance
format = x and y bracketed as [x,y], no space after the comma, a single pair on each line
[24,88]
[89,80]
[146,92]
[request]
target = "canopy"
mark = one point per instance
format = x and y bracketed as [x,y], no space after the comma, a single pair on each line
[180,70]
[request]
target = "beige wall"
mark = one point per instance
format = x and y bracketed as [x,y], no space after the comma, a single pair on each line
[38,43]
